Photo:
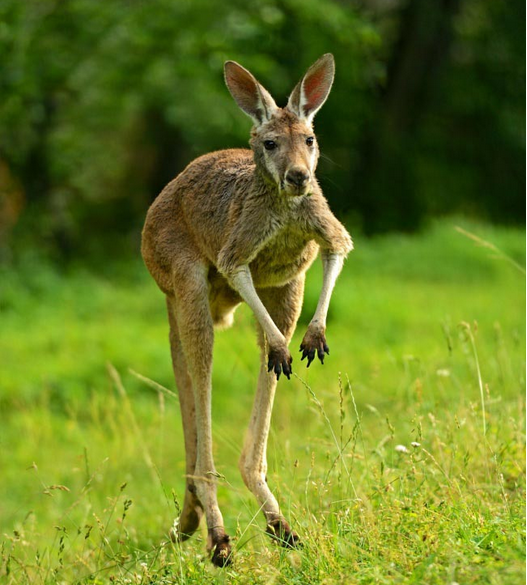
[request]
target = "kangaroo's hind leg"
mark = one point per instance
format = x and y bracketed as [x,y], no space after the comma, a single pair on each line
[195,328]
[284,305]
[192,511]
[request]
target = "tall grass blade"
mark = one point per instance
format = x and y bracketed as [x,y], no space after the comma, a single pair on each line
[489,245]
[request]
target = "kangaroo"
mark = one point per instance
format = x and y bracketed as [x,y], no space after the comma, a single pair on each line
[244,225]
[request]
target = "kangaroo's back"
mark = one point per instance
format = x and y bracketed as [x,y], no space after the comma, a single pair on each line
[196,211]
[212,190]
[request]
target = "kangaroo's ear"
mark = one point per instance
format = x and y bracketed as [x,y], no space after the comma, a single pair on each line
[311,93]
[252,97]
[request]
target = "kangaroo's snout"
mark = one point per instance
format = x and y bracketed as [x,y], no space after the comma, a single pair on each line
[298,178]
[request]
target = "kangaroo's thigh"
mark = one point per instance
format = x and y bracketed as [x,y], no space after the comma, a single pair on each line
[284,305]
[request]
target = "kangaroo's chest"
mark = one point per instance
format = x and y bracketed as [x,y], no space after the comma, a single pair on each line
[287,254]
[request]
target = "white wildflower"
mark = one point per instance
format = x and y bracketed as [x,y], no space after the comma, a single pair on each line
[401,449]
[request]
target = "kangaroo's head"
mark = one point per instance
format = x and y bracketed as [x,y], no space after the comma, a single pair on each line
[283,141]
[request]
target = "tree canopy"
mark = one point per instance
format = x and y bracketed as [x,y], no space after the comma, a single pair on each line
[102,103]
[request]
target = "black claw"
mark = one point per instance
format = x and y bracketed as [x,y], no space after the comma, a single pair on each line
[310,354]
[279,362]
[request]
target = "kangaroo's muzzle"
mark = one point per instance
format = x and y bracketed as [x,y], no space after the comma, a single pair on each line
[297,180]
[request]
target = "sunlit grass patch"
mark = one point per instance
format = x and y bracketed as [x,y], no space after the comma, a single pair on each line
[401,460]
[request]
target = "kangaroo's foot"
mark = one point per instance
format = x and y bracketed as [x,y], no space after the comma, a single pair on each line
[219,545]
[280,531]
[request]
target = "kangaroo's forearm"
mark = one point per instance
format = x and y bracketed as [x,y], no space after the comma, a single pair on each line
[332,265]
[242,281]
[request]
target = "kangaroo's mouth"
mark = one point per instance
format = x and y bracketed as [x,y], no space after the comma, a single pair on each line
[295,190]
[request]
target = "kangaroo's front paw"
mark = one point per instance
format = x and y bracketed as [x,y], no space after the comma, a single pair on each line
[314,342]
[280,361]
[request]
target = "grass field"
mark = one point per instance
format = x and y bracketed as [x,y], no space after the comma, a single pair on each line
[401,460]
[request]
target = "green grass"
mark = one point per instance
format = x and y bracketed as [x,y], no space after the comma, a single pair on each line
[401,460]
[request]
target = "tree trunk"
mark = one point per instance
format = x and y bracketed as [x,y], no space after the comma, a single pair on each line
[384,184]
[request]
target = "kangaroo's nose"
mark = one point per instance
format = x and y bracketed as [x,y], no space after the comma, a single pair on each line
[297,176]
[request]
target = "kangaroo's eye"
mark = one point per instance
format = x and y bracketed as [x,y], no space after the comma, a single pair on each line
[270,144]
[310,140]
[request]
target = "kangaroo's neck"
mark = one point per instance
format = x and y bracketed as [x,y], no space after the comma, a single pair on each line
[263,183]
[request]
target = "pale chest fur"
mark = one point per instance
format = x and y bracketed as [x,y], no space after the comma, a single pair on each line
[290,252]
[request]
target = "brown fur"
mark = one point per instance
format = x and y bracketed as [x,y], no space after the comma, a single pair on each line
[226,211]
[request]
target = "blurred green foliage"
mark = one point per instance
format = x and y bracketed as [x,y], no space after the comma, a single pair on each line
[102,103]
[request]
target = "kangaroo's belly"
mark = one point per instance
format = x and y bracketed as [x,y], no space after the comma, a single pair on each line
[285,257]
